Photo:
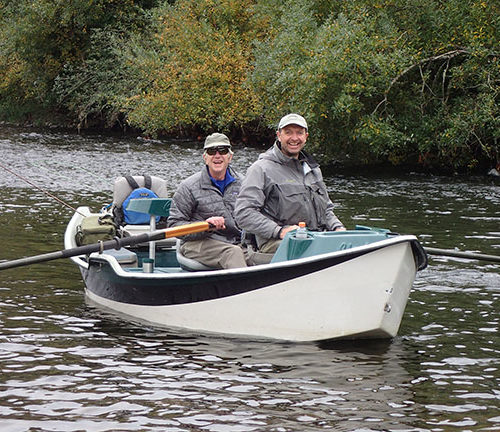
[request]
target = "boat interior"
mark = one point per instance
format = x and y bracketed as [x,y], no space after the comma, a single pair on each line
[165,256]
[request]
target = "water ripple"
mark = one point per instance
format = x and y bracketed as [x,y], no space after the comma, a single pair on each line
[68,366]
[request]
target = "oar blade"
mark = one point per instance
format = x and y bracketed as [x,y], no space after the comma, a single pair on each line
[461,254]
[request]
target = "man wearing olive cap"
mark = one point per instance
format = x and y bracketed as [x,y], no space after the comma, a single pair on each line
[284,187]
[209,195]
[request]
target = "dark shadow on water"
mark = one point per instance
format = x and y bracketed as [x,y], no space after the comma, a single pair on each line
[363,346]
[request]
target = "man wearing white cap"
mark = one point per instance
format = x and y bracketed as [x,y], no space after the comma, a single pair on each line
[210,195]
[284,187]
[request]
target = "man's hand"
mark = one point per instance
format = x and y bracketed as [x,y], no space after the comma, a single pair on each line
[286,229]
[217,222]
[340,229]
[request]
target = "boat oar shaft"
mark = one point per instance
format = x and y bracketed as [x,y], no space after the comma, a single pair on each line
[460,254]
[109,244]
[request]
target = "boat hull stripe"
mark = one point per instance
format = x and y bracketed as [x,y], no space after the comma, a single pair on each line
[102,281]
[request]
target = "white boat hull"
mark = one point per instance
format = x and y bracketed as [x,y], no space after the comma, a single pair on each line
[327,304]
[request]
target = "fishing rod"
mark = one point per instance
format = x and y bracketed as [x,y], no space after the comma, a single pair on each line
[428,250]
[41,189]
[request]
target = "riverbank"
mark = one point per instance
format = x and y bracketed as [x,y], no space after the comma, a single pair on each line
[262,143]
[381,83]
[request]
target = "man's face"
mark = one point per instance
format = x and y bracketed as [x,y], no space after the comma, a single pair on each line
[292,138]
[217,163]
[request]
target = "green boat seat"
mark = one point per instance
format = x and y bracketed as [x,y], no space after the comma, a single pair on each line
[327,241]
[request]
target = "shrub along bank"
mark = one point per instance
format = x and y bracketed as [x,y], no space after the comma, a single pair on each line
[406,82]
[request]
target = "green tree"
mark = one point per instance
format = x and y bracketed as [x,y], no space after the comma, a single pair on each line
[390,80]
[400,81]
[42,38]
[196,72]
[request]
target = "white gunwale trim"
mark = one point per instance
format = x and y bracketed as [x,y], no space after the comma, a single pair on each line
[111,260]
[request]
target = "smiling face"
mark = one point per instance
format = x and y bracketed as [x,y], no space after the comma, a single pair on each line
[292,138]
[217,163]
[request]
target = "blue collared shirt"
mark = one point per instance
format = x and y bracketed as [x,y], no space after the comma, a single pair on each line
[222,184]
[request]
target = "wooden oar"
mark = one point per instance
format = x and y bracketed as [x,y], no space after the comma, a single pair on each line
[109,244]
[460,254]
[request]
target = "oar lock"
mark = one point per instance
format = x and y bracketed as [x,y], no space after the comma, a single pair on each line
[101,244]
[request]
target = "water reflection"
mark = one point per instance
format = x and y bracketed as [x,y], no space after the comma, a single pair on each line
[102,371]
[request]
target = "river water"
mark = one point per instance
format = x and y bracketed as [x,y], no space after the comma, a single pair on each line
[68,366]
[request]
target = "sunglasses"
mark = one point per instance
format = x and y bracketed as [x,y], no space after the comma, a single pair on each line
[213,150]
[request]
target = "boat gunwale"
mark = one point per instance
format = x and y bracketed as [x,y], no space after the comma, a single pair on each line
[363,249]
[69,234]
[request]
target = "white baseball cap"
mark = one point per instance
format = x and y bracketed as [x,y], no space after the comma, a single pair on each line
[295,119]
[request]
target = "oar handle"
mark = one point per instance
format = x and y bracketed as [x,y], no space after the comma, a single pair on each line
[186,229]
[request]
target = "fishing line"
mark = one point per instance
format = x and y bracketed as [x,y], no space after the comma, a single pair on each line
[80,168]
[41,189]
[44,167]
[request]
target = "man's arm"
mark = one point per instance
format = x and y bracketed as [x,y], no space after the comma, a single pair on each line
[332,221]
[249,204]
[181,212]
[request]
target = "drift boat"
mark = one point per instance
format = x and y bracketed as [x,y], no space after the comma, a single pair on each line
[331,285]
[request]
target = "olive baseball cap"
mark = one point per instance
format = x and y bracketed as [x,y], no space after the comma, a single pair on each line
[295,119]
[216,140]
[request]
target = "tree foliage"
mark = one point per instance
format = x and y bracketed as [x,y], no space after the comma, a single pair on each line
[44,38]
[406,82]
[197,77]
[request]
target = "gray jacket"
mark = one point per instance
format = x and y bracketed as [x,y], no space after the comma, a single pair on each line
[279,191]
[197,199]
